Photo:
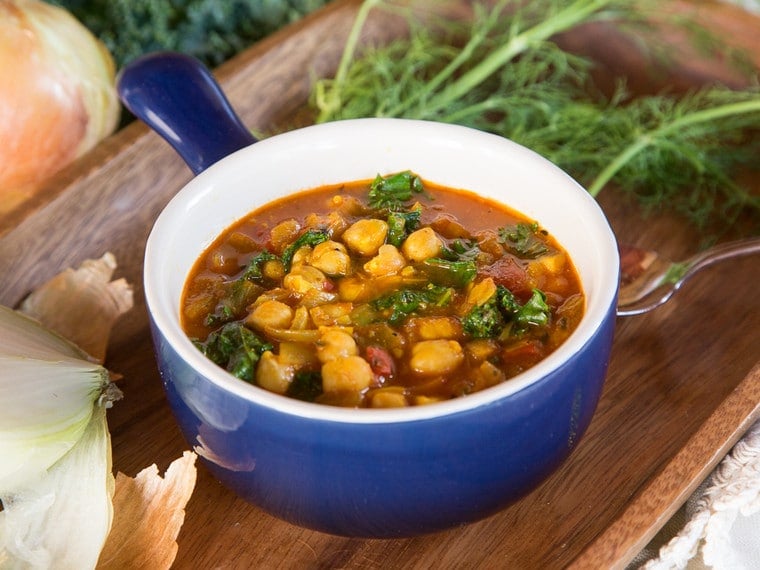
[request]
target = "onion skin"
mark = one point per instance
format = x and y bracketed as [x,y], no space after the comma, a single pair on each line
[57,94]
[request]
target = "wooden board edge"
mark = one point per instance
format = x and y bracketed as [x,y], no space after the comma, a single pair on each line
[654,505]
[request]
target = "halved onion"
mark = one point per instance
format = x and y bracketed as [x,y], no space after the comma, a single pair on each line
[57,94]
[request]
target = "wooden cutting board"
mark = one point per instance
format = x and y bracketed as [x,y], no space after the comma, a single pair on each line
[683,384]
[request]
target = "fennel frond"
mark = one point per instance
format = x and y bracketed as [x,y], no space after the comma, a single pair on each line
[504,73]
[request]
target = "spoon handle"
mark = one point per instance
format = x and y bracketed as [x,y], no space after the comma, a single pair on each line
[177,96]
[722,251]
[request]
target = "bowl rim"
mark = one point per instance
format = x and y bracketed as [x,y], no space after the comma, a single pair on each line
[190,195]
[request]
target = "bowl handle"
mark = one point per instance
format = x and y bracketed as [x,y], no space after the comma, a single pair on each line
[178,97]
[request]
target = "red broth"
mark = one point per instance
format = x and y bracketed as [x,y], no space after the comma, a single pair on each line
[381,293]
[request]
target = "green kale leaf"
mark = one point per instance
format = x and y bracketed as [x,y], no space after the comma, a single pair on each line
[238,294]
[502,310]
[455,274]
[309,237]
[484,321]
[306,385]
[534,313]
[461,250]
[391,192]
[400,225]
[522,240]
[404,302]
[236,349]
[252,271]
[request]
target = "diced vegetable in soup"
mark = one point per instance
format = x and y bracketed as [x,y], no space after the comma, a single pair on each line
[382,293]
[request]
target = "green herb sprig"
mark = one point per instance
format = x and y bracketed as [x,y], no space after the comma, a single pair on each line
[502,73]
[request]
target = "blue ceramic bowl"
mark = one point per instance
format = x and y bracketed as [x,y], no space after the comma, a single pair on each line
[380,472]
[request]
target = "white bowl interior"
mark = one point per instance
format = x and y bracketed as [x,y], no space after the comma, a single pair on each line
[359,149]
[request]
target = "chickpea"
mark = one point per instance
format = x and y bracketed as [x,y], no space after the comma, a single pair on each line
[333,222]
[303,278]
[431,357]
[271,313]
[331,258]
[366,236]
[387,261]
[272,375]
[347,373]
[301,255]
[425,400]
[421,245]
[221,262]
[334,343]
[273,269]
[388,398]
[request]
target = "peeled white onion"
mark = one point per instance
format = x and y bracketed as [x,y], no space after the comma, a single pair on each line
[60,505]
[57,94]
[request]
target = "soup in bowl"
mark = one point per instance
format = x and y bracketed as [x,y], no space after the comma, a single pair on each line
[381,293]
[424,462]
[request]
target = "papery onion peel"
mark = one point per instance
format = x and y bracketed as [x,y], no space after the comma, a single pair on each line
[60,505]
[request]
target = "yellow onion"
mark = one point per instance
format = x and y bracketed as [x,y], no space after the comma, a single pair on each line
[57,94]
[56,482]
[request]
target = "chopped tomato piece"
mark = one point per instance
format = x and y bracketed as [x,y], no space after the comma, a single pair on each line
[508,272]
[380,360]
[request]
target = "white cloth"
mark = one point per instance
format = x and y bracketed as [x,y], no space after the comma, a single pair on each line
[719,526]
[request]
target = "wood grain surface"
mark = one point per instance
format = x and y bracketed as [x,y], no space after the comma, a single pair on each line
[683,385]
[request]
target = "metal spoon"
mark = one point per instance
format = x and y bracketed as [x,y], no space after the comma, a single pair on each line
[648,280]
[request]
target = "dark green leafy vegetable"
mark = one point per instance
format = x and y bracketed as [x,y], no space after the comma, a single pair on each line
[235,348]
[252,271]
[310,238]
[402,303]
[506,75]
[390,192]
[535,312]
[223,314]
[491,319]
[211,30]
[241,292]
[306,385]
[237,296]
[449,273]
[400,225]
[484,321]
[521,240]
[461,250]
[506,301]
